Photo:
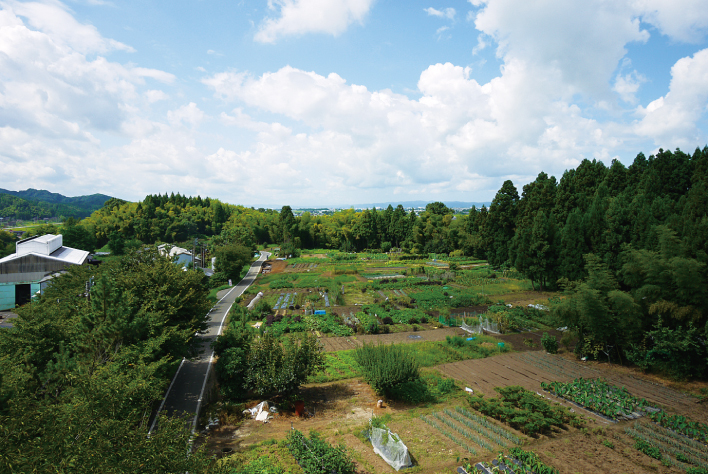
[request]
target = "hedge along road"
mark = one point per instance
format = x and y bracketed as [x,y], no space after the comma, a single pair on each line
[186,391]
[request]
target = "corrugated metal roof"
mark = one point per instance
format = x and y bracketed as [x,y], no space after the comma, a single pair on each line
[62,254]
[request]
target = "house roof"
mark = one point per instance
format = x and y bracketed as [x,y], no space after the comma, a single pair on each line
[175,251]
[62,254]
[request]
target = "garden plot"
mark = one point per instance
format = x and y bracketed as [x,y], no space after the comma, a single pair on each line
[566,370]
[332,344]
[615,403]
[503,371]
[300,267]
[473,433]
[676,449]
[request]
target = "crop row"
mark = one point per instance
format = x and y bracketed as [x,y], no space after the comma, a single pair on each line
[651,447]
[556,366]
[470,424]
[672,444]
[690,443]
[600,396]
[486,424]
[682,425]
[435,425]
[464,432]
[518,461]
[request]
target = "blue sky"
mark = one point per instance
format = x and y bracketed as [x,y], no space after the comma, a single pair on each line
[333,102]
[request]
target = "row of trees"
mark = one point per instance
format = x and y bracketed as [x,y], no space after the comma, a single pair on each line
[80,373]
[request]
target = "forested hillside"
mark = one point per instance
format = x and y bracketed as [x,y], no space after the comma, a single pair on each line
[13,207]
[90,202]
[628,244]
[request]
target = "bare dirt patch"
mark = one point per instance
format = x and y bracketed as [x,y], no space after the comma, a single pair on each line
[337,407]
[276,266]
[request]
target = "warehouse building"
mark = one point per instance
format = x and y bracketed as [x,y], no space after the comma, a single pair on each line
[30,269]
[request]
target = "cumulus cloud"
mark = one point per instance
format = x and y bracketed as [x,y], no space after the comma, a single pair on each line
[627,86]
[55,21]
[673,118]
[335,138]
[154,95]
[683,20]
[448,13]
[298,17]
[187,114]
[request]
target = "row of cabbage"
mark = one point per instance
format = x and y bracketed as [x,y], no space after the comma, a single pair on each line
[601,397]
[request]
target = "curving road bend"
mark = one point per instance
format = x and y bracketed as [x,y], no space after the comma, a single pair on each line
[186,391]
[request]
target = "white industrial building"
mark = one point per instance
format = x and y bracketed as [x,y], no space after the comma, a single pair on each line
[31,267]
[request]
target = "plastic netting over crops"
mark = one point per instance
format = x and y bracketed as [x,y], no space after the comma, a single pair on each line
[478,324]
[390,447]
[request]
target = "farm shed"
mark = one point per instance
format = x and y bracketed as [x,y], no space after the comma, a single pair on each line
[30,268]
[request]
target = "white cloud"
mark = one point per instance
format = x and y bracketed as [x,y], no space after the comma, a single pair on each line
[581,41]
[627,86]
[187,114]
[683,20]
[481,44]
[71,118]
[54,20]
[154,95]
[298,17]
[54,90]
[672,119]
[448,13]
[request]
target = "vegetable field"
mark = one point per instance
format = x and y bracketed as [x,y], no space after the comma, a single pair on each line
[601,397]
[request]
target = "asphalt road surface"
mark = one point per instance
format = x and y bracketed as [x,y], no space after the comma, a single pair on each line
[185,394]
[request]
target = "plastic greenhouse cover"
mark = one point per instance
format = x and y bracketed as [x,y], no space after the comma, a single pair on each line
[390,447]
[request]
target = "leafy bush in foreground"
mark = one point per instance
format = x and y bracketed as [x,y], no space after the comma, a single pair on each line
[387,367]
[316,456]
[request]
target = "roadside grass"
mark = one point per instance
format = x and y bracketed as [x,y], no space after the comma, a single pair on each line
[212,293]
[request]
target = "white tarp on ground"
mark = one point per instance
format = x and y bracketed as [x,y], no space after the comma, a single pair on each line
[253,302]
[260,412]
[390,447]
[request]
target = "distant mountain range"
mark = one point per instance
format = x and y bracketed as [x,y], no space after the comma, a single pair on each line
[38,203]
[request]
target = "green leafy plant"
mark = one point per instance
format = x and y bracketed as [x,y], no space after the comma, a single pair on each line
[316,456]
[598,395]
[523,410]
[386,367]
[549,343]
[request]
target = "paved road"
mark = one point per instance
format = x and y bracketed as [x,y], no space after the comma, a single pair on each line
[186,392]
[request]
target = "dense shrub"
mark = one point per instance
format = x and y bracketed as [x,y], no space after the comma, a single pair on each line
[385,368]
[549,343]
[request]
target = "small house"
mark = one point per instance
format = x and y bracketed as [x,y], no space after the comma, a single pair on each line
[179,255]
